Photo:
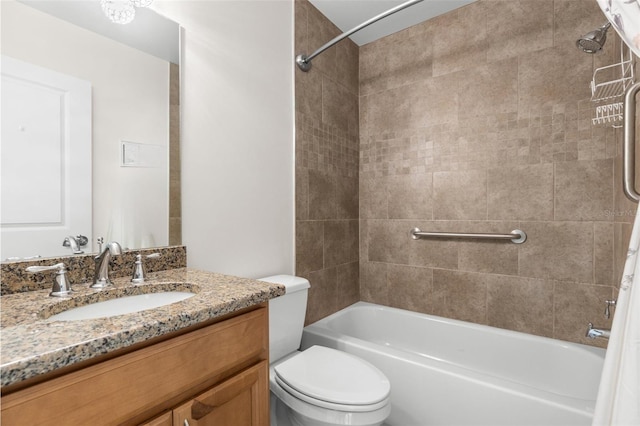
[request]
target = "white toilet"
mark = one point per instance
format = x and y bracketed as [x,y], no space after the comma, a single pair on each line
[319,386]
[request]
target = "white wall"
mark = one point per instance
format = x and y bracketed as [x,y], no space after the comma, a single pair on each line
[237,140]
[130,101]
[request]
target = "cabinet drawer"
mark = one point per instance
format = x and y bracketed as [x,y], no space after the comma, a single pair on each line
[141,384]
[242,400]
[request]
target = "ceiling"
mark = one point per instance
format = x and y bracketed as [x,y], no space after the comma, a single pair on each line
[164,42]
[347,14]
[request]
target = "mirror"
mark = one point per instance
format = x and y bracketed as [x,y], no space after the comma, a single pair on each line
[132,75]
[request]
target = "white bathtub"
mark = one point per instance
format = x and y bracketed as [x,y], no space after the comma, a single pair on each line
[448,372]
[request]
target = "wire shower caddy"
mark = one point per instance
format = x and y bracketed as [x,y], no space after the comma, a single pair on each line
[608,92]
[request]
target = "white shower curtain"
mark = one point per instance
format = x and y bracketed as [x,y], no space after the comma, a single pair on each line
[619,393]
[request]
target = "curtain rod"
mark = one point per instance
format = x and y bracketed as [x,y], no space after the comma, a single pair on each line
[304,61]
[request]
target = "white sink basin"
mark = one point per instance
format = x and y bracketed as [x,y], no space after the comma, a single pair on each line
[122,305]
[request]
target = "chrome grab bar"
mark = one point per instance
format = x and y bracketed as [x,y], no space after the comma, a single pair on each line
[629,147]
[516,236]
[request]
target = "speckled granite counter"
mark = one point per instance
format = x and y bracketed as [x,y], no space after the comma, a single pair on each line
[33,345]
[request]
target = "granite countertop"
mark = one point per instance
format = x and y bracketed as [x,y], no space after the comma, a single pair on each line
[34,345]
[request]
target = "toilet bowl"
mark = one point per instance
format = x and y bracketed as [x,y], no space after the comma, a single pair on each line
[318,386]
[323,386]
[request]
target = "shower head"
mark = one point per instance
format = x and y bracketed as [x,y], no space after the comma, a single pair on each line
[592,42]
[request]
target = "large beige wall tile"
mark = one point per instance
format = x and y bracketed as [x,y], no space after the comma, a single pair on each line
[347,64]
[558,250]
[460,39]
[348,282]
[518,27]
[583,190]
[410,287]
[373,282]
[429,252]
[300,27]
[339,106]
[302,192]
[410,196]
[340,242]
[364,240]
[460,295]
[347,197]
[394,61]
[373,198]
[323,294]
[546,76]
[384,112]
[309,246]
[604,253]
[308,88]
[622,235]
[322,195]
[319,31]
[488,89]
[520,304]
[494,257]
[520,192]
[388,241]
[460,195]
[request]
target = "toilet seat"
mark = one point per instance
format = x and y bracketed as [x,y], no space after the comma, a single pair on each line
[332,379]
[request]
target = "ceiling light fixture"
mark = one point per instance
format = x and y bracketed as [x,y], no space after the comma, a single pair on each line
[122,11]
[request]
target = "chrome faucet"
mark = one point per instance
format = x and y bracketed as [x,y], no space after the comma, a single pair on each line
[592,333]
[74,243]
[101,275]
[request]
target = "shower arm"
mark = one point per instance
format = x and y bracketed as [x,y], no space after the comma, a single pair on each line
[304,62]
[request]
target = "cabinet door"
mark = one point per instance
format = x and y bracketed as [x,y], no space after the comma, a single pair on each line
[242,400]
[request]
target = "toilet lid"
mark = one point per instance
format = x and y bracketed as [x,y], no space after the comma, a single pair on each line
[333,376]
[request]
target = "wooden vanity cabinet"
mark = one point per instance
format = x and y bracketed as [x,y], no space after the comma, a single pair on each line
[217,374]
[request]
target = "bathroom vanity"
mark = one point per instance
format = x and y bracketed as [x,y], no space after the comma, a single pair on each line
[200,361]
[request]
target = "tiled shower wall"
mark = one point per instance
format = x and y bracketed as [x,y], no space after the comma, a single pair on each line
[479,121]
[327,141]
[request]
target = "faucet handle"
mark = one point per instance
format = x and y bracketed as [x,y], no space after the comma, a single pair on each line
[607,310]
[61,285]
[138,269]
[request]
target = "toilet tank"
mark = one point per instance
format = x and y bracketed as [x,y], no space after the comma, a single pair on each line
[286,315]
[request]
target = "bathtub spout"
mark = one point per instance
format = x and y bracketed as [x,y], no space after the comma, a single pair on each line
[592,333]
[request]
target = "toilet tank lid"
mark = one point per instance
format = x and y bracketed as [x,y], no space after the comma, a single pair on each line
[291,282]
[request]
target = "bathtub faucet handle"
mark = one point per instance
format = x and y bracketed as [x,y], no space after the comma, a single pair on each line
[607,310]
